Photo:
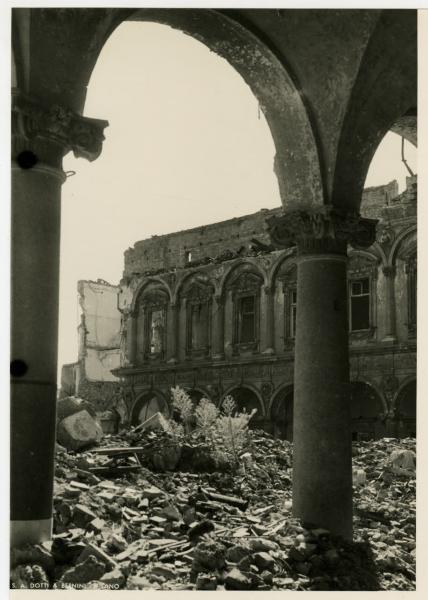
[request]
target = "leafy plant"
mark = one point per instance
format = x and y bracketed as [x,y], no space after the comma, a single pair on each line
[183,404]
[232,429]
[226,431]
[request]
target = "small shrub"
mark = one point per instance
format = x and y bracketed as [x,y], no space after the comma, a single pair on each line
[183,404]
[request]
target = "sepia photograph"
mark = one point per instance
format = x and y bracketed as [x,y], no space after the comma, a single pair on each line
[213,298]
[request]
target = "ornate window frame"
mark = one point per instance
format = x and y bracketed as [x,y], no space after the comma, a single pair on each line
[198,294]
[154,300]
[363,267]
[246,284]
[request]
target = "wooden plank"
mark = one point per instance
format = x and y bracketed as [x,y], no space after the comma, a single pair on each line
[118,451]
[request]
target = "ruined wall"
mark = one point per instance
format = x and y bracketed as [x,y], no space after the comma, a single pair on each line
[99,347]
[166,252]
[382,356]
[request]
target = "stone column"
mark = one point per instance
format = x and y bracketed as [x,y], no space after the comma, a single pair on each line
[269,294]
[390,334]
[218,328]
[322,468]
[132,329]
[174,329]
[41,137]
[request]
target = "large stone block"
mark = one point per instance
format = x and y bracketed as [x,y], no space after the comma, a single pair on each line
[79,431]
[71,405]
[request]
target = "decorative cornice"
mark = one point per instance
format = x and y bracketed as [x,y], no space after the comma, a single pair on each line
[324,229]
[58,124]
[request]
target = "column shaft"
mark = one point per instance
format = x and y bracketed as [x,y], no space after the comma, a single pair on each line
[36,206]
[322,470]
[41,136]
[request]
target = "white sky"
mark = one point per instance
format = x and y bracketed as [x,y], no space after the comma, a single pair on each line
[186,146]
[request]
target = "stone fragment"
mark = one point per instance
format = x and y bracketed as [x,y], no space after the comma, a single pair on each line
[93,550]
[264,561]
[199,528]
[151,492]
[206,581]
[171,513]
[88,570]
[237,552]
[82,516]
[97,525]
[208,556]
[262,545]
[78,431]
[236,580]
[113,578]
[168,572]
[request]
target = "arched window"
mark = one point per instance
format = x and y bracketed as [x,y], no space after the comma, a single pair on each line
[152,323]
[246,400]
[245,288]
[282,414]
[197,295]
[366,410]
[148,405]
[362,276]
[406,411]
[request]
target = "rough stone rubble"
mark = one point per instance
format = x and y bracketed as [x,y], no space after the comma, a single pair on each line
[213,530]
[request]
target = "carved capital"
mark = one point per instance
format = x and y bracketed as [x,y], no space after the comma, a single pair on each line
[325,229]
[33,122]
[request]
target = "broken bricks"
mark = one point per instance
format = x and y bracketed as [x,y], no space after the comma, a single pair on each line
[173,531]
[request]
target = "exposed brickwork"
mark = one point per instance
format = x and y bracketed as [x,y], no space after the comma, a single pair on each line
[166,252]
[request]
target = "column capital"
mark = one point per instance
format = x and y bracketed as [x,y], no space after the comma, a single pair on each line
[323,229]
[269,289]
[34,125]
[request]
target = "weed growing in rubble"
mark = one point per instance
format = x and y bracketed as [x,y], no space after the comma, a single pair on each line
[183,405]
[225,431]
[232,429]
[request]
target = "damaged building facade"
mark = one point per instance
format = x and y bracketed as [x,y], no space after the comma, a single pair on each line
[213,310]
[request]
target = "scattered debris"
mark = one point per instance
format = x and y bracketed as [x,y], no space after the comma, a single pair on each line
[220,530]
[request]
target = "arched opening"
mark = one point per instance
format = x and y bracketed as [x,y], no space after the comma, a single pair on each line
[406,411]
[148,405]
[247,400]
[187,144]
[366,411]
[281,414]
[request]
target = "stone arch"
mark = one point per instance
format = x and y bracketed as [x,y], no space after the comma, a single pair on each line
[247,397]
[143,285]
[385,89]
[242,266]
[296,164]
[286,261]
[196,278]
[407,236]
[146,404]
[281,412]
[406,408]
[367,411]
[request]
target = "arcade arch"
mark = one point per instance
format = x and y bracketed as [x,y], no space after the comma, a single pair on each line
[147,405]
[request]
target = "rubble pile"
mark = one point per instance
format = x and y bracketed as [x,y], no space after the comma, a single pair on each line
[221,530]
